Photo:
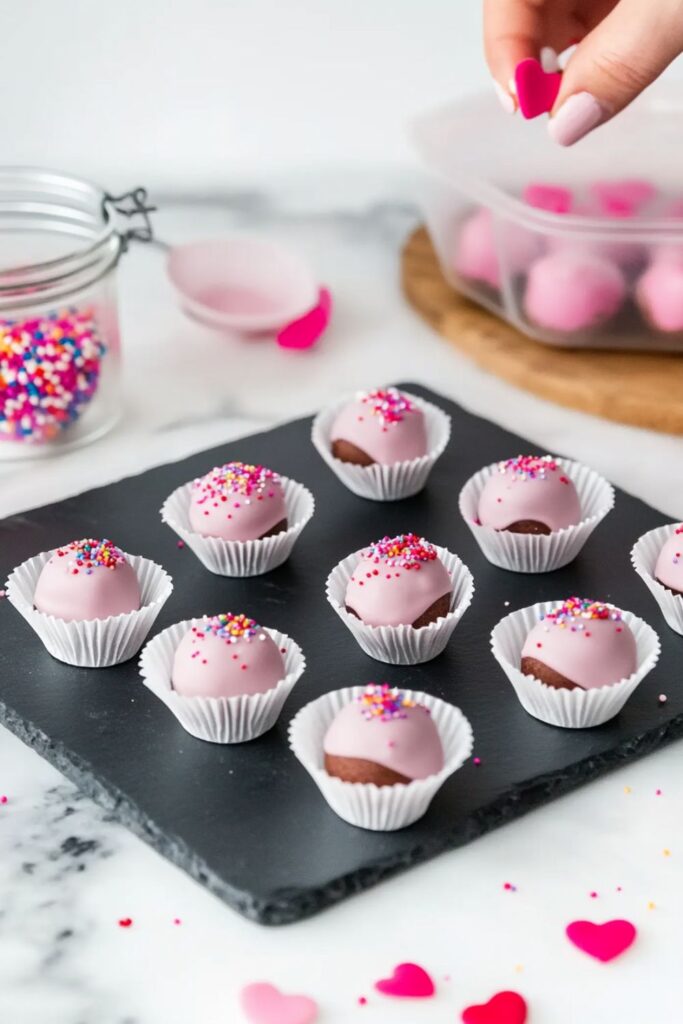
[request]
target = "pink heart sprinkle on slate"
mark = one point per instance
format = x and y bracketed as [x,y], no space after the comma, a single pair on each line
[602,941]
[265,1004]
[553,198]
[503,1008]
[409,981]
[536,89]
[305,331]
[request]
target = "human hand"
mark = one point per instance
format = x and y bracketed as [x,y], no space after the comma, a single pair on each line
[623,46]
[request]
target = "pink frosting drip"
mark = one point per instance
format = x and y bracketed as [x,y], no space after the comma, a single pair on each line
[406,742]
[237,501]
[209,665]
[396,590]
[591,652]
[571,290]
[669,567]
[545,494]
[398,437]
[74,588]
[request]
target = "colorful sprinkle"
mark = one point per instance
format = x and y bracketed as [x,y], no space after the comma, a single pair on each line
[530,467]
[228,627]
[235,478]
[125,922]
[388,405]
[87,555]
[383,702]
[476,761]
[406,551]
[49,372]
[180,544]
[575,612]
[662,698]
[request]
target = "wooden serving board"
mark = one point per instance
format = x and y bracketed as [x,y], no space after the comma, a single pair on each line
[639,388]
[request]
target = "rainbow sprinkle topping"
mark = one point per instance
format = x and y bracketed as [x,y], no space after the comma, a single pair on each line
[406,551]
[389,405]
[49,371]
[530,467]
[236,478]
[382,702]
[229,627]
[576,612]
[87,555]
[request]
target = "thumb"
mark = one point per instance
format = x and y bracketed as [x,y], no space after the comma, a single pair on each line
[627,51]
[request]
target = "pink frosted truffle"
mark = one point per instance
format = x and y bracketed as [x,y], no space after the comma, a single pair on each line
[571,290]
[669,565]
[238,501]
[382,426]
[476,257]
[529,494]
[87,579]
[581,644]
[384,738]
[659,293]
[226,656]
[399,581]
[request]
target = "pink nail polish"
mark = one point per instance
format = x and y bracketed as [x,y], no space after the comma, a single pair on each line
[577,116]
[506,100]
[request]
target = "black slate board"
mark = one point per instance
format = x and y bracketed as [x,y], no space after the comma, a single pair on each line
[248,822]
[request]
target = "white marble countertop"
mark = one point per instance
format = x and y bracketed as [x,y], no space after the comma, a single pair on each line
[69,874]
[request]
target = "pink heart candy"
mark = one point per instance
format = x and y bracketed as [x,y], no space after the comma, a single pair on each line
[305,331]
[602,941]
[536,89]
[503,1008]
[264,1004]
[553,198]
[409,981]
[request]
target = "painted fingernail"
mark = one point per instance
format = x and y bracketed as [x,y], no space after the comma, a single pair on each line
[549,60]
[576,117]
[506,100]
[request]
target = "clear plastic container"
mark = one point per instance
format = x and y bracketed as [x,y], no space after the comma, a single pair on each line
[605,273]
[59,330]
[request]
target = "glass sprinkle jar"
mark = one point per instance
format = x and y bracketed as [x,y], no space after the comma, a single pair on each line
[60,382]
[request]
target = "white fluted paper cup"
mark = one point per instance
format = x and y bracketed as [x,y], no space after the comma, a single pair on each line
[570,709]
[403,645]
[92,643]
[521,552]
[241,557]
[644,558]
[377,482]
[379,808]
[219,719]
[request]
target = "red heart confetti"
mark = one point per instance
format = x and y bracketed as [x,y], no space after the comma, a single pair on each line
[265,1004]
[409,981]
[536,89]
[503,1008]
[125,922]
[605,941]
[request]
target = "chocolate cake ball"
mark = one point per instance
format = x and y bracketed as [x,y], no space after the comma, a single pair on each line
[383,738]
[226,656]
[529,494]
[399,581]
[87,579]
[238,501]
[669,565]
[581,645]
[379,426]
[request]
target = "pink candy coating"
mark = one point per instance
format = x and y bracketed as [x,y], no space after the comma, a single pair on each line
[586,642]
[570,291]
[404,739]
[660,292]
[529,487]
[226,656]
[669,566]
[396,581]
[87,579]
[237,501]
[385,424]
[477,254]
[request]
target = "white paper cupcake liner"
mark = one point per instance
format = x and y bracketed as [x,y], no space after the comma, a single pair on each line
[520,552]
[644,558]
[384,483]
[218,719]
[403,645]
[379,808]
[95,643]
[571,709]
[241,557]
